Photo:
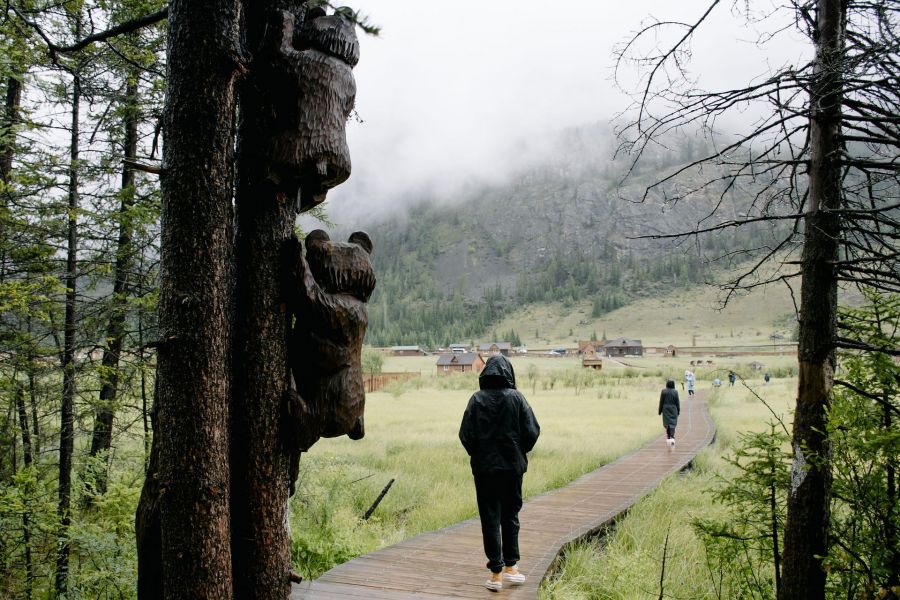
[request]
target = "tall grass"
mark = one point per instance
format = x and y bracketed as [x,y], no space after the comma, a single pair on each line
[627,563]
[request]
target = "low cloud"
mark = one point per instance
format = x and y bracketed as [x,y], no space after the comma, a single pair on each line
[457,94]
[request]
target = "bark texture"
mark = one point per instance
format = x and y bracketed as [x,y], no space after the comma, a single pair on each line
[806,529]
[260,462]
[195,305]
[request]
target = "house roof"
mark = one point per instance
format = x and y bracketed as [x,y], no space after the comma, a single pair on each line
[468,358]
[500,345]
[404,348]
[459,345]
[622,342]
[582,344]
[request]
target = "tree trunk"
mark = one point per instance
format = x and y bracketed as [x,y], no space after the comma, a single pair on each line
[27,459]
[32,390]
[101,440]
[27,455]
[67,410]
[890,526]
[806,529]
[145,413]
[7,151]
[195,305]
[10,120]
[148,534]
[260,461]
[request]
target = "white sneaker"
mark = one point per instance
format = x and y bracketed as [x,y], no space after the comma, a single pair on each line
[671,442]
[494,583]
[512,576]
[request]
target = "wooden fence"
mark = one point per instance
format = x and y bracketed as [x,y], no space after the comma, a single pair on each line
[376,381]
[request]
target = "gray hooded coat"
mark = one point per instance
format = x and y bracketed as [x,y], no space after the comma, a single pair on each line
[498,427]
[669,406]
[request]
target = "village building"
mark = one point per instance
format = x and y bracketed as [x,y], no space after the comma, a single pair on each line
[495,348]
[459,348]
[623,346]
[407,351]
[586,346]
[469,362]
[591,359]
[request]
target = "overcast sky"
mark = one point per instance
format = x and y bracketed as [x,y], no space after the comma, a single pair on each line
[449,89]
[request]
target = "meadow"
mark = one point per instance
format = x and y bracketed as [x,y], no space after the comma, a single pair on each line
[588,418]
[684,317]
[627,563]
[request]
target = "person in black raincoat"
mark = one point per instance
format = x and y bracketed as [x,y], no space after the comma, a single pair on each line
[498,429]
[669,408]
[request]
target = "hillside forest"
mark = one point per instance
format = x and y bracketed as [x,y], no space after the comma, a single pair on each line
[565,232]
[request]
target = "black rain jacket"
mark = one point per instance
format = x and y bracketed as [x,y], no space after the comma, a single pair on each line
[669,406]
[498,427]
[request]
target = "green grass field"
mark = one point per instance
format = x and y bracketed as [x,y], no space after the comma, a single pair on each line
[626,564]
[411,435]
[587,418]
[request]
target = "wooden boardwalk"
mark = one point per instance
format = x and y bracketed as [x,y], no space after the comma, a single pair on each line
[449,563]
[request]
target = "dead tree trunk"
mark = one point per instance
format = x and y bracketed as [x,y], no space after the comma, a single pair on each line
[195,308]
[806,529]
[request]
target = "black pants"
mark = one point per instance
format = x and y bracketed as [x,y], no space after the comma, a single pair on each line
[499,501]
[670,432]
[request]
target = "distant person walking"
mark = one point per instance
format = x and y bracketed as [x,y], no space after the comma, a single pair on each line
[690,383]
[669,408]
[731,378]
[766,378]
[498,429]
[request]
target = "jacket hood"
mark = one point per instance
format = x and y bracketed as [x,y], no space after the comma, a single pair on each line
[497,374]
[670,384]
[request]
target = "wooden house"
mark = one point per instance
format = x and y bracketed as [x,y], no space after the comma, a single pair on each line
[495,348]
[407,351]
[588,346]
[623,346]
[459,348]
[469,362]
[591,360]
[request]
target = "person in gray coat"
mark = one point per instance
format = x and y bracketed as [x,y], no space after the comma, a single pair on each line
[669,408]
[498,429]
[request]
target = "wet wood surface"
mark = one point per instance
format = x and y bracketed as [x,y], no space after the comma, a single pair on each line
[450,563]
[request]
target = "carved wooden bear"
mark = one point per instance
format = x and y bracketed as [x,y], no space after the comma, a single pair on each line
[327,293]
[309,78]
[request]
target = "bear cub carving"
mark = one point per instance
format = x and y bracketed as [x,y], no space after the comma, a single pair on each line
[327,291]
